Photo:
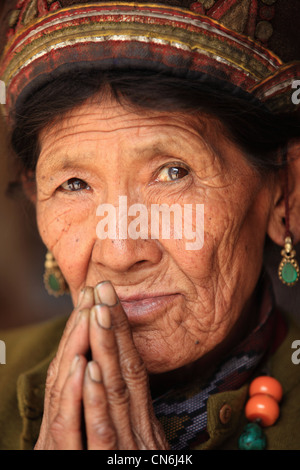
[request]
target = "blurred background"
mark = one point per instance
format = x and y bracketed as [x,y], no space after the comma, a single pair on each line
[23,298]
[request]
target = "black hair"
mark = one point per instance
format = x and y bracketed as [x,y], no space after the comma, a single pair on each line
[260,134]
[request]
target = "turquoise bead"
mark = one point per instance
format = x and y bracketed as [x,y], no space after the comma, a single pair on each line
[252,438]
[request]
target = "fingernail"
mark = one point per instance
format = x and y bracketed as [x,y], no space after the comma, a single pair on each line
[106,293]
[102,316]
[74,364]
[94,371]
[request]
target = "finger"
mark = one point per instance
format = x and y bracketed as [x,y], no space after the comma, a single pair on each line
[77,343]
[104,350]
[86,301]
[75,340]
[108,296]
[100,431]
[66,427]
[132,366]
[146,428]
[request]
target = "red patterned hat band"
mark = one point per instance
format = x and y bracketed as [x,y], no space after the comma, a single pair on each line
[47,38]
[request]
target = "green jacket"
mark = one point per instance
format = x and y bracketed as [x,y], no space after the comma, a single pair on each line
[29,351]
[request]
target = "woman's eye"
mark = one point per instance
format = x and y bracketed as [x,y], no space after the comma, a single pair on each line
[74,184]
[171,173]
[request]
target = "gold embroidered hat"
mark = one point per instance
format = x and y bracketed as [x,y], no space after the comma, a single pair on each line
[236,43]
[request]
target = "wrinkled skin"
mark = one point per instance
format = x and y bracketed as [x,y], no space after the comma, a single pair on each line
[116,151]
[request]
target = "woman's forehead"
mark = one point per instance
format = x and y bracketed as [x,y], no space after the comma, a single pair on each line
[110,117]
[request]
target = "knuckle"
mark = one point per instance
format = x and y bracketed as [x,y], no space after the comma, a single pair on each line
[57,427]
[122,324]
[118,392]
[105,432]
[54,394]
[93,401]
[134,369]
[109,347]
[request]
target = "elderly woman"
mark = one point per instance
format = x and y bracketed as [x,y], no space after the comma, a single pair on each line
[119,112]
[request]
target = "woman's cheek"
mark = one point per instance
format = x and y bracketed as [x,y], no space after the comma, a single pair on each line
[196,252]
[69,230]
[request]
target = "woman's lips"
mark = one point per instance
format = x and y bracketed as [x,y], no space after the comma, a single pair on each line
[137,308]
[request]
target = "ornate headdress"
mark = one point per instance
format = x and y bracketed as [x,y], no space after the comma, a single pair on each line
[227,41]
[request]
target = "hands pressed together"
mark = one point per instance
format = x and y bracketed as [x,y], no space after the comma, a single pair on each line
[97,394]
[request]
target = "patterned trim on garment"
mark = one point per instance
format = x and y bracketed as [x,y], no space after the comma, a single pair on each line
[183,413]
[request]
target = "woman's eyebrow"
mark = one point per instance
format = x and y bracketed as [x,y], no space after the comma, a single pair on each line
[162,145]
[70,158]
[54,161]
[67,161]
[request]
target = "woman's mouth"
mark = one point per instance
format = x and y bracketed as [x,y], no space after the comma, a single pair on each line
[141,307]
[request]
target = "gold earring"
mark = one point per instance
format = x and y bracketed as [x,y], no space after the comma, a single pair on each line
[53,279]
[288,270]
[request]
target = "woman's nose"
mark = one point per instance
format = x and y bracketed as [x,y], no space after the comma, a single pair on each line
[122,255]
[124,234]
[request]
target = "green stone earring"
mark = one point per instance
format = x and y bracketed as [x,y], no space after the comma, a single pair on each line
[53,279]
[288,270]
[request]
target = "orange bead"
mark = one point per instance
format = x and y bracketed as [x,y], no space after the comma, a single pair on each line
[263,407]
[267,385]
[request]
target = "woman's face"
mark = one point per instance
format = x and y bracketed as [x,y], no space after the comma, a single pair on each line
[180,303]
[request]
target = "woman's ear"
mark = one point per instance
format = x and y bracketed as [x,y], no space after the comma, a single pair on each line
[29,185]
[277,227]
